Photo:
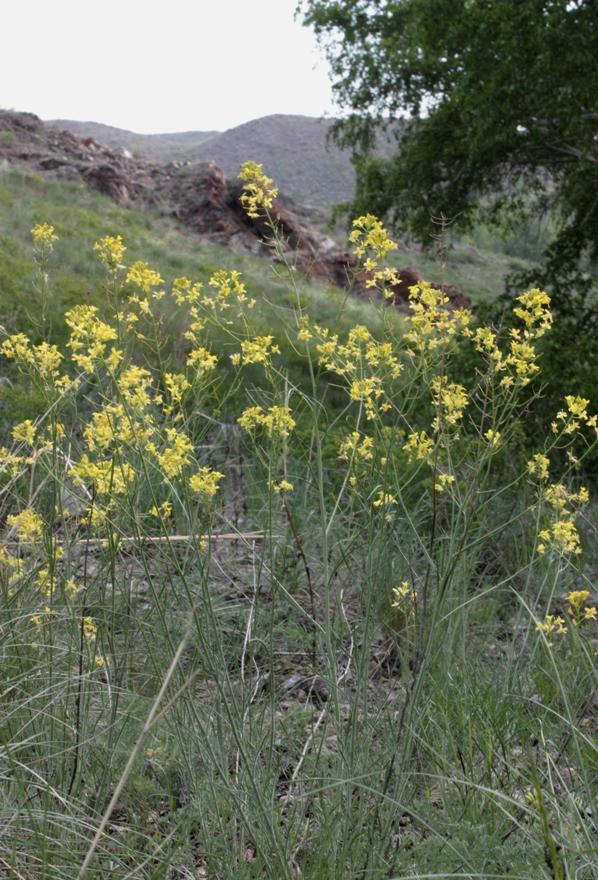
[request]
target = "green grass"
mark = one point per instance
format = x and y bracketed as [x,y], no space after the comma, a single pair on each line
[261,707]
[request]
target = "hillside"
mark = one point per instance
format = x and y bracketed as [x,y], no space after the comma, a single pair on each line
[294,149]
[162,147]
[296,153]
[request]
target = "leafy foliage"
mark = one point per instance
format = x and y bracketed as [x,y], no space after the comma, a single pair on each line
[501,101]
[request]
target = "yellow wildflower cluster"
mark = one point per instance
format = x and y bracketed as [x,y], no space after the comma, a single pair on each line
[142,275]
[578,613]
[205,481]
[578,609]
[431,324]
[115,425]
[43,358]
[27,524]
[570,421]
[443,480]
[111,251]
[161,511]
[12,567]
[258,350]
[43,235]
[277,420]
[10,462]
[107,476]
[202,360]
[281,487]
[24,432]
[492,437]
[558,496]
[520,363]
[419,447]
[562,537]
[534,311]
[538,466]
[184,290]
[450,399]
[259,191]
[362,360]
[176,385]
[175,455]
[356,447]
[552,625]
[225,284]
[372,244]
[89,338]
[384,499]
[368,391]
[401,593]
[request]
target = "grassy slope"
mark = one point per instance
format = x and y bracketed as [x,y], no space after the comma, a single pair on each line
[81,217]
[488,725]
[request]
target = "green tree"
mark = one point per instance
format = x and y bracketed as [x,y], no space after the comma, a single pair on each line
[493,104]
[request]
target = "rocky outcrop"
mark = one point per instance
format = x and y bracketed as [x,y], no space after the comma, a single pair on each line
[198,195]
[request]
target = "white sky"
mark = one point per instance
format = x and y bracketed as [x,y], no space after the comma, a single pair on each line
[160,65]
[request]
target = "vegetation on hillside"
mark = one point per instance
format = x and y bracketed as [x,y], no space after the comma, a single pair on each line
[286,590]
[169,147]
[501,100]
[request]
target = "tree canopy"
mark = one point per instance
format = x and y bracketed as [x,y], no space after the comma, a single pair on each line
[493,103]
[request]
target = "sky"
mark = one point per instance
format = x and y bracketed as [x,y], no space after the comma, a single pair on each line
[160,65]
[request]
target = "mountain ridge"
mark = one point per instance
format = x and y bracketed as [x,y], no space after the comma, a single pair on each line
[294,150]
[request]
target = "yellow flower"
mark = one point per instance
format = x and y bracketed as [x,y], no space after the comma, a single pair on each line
[432,325]
[368,234]
[24,432]
[401,593]
[70,587]
[443,480]
[28,524]
[90,630]
[176,455]
[43,234]
[134,384]
[89,336]
[164,511]
[577,600]
[281,487]
[259,191]
[493,437]
[562,537]
[205,481]
[111,251]
[356,446]
[107,476]
[419,447]
[143,276]
[451,398]
[176,384]
[384,499]
[258,350]
[275,420]
[538,466]
[202,360]
[535,312]
[552,625]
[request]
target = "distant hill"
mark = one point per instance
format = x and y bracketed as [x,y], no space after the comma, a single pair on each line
[163,147]
[293,150]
